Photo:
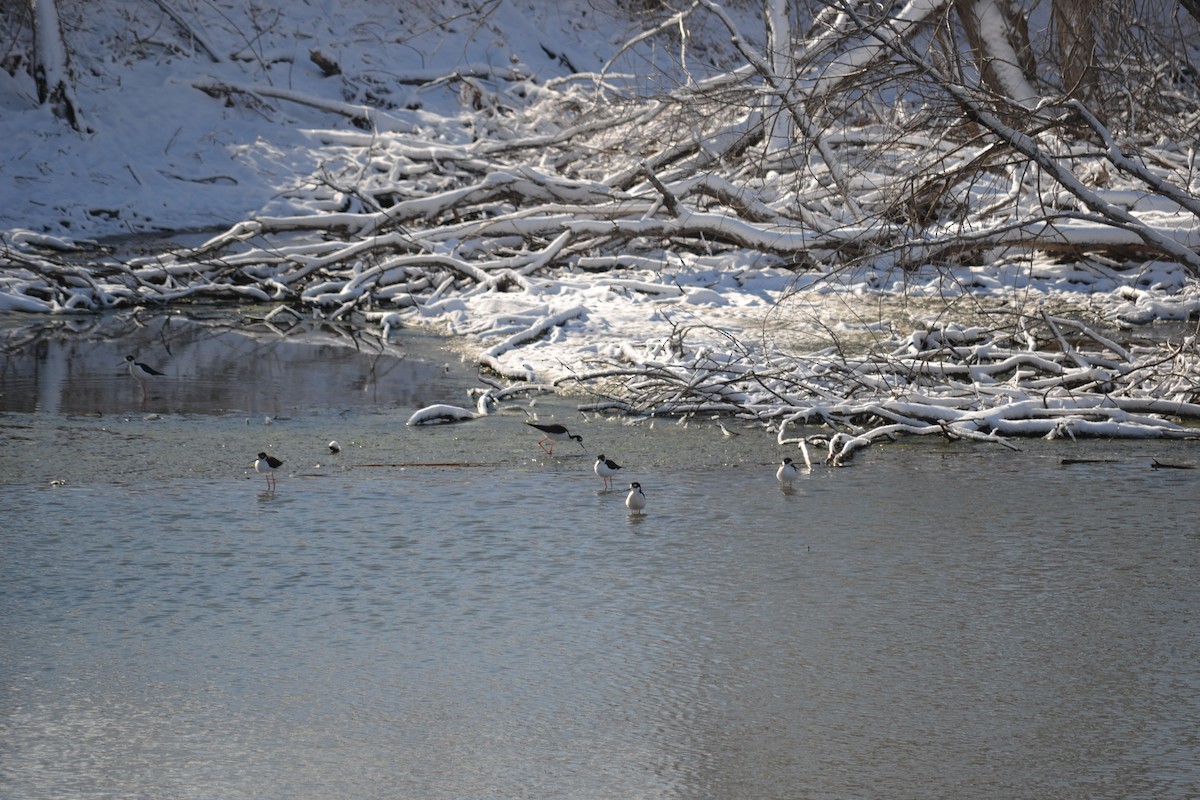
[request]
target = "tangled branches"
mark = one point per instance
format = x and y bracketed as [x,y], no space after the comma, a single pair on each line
[1045,376]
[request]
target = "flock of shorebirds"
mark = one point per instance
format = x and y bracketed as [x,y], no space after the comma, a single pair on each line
[605,468]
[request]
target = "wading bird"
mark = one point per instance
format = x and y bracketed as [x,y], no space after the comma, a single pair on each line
[142,372]
[787,472]
[266,465]
[606,468]
[554,433]
[635,501]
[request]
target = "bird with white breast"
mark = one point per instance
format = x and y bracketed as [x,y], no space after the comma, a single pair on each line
[635,501]
[787,473]
[266,465]
[605,468]
[142,372]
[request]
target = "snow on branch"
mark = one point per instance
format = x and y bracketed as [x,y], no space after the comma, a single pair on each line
[982,391]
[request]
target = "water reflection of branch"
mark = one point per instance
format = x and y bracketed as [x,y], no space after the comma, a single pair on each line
[285,322]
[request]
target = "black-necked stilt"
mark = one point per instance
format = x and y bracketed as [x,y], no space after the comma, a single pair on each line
[787,472]
[635,501]
[554,433]
[606,468]
[266,465]
[142,372]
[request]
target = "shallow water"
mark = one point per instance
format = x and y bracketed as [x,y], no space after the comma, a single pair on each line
[933,621]
[212,363]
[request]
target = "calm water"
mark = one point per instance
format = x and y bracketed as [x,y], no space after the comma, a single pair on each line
[932,622]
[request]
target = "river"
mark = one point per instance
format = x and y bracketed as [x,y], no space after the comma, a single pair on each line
[447,612]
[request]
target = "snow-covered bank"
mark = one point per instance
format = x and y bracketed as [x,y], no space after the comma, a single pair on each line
[595,204]
[200,114]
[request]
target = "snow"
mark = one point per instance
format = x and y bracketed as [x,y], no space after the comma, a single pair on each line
[164,155]
[215,117]
[1004,61]
[442,414]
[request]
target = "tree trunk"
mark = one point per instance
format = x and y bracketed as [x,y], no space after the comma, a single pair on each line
[781,59]
[999,35]
[51,72]
[1076,39]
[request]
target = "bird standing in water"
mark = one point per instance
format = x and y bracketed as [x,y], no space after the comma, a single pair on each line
[635,501]
[606,468]
[552,434]
[142,372]
[266,465]
[787,473]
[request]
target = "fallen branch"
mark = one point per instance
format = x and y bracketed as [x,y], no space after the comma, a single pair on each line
[490,359]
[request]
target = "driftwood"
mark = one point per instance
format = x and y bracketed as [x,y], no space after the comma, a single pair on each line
[1156,464]
[976,384]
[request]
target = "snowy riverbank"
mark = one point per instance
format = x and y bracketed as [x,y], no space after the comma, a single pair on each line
[588,208]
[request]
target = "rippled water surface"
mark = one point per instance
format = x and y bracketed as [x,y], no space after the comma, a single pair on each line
[933,621]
